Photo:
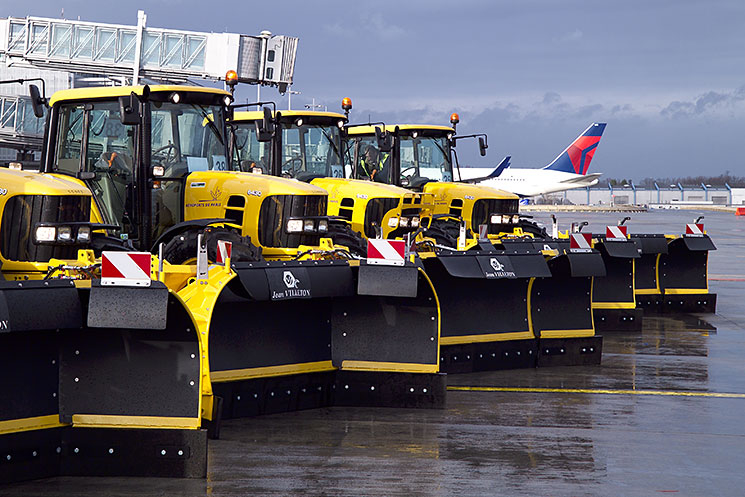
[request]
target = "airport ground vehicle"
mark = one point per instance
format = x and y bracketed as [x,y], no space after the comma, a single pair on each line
[165,177]
[484,288]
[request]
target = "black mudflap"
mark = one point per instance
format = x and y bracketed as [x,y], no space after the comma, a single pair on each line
[490,356]
[579,351]
[383,333]
[134,452]
[387,389]
[646,270]
[684,275]
[276,394]
[618,319]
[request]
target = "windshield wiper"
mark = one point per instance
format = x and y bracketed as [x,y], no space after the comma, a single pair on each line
[338,154]
[210,123]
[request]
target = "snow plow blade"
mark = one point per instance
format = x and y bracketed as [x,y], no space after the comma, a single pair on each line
[279,338]
[90,400]
[647,289]
[684,275]
[485,308]
[385,340]
[561,308]
[613,298]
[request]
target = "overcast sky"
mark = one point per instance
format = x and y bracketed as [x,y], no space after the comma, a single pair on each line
[667,76]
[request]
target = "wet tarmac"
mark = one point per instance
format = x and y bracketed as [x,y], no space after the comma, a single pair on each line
[663,414]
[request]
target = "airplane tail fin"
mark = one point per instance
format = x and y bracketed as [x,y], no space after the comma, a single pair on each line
[577,156]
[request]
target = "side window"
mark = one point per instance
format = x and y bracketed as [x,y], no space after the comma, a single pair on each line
[69,139]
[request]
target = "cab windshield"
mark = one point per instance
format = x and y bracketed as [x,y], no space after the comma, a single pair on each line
[425,157]
[186,138]
[306,150]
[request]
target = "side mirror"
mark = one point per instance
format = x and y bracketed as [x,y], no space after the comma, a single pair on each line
[385,140]
[129,113]
[265,127]
[37,101]
[482,146]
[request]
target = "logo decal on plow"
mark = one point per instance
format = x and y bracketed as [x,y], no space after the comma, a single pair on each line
[496,264]
[290,280]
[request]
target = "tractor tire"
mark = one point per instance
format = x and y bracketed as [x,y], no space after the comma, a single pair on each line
[183,247]
[445,232]
[343,234]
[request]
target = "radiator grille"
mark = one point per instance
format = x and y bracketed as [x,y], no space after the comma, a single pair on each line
[277,209]
[21,214]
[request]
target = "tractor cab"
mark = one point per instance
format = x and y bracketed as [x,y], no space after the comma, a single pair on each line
[136,148]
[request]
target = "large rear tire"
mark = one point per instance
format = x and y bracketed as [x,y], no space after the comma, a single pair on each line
[343,234]
[444,231]
[183,248]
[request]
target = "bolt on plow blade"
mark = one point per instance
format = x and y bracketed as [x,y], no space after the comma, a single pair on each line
[613,298]
[485,309]
[105,399]
[561,310]
[279,338]
[684,275]
[385,340]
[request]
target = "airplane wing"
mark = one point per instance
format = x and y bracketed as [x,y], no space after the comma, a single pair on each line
[497,171]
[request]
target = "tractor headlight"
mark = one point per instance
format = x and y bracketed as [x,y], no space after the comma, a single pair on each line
[414,222]
[64,234]
[495,219]
[515,218]
[323,226]
[84,234]
[404,222]
[506,219]
[294,225]
[45,234]
[393,222]
[308,226]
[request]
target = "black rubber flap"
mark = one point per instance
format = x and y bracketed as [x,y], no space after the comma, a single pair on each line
[586,264]
[623,250]
[387,281]
[134,308]
[248,334]
[132,372]
[386,329]
[530,266]
[39,305]
[698,243]
[493,266]
[617,284]
[682,268]
[561,303]
[651,244]
[284,281]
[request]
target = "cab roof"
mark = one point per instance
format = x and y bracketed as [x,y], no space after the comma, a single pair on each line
[370,130]
[121,91]
[255,115]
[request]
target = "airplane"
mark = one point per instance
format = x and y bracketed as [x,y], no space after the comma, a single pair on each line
[567,171]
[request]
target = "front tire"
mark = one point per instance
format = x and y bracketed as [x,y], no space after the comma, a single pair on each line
[183,247]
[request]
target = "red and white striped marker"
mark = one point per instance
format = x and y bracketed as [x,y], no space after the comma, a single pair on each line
[695,229]
[125,268]
[616,232]
[580,241]
[224,250]
[386,252]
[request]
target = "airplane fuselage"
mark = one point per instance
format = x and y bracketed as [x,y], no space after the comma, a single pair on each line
[531,182]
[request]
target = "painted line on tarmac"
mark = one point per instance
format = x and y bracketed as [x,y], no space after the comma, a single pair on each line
[597,391]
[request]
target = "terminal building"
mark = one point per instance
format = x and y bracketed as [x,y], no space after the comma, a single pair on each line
[667,196]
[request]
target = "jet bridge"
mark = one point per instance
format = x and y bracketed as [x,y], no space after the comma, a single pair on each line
[140,52]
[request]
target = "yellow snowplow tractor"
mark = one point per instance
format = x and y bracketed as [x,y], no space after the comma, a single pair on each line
[421,158]
[98,380]
[310,148]
[489,272]
[157,162]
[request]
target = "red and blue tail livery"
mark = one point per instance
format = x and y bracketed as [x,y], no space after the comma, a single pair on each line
[577,156]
